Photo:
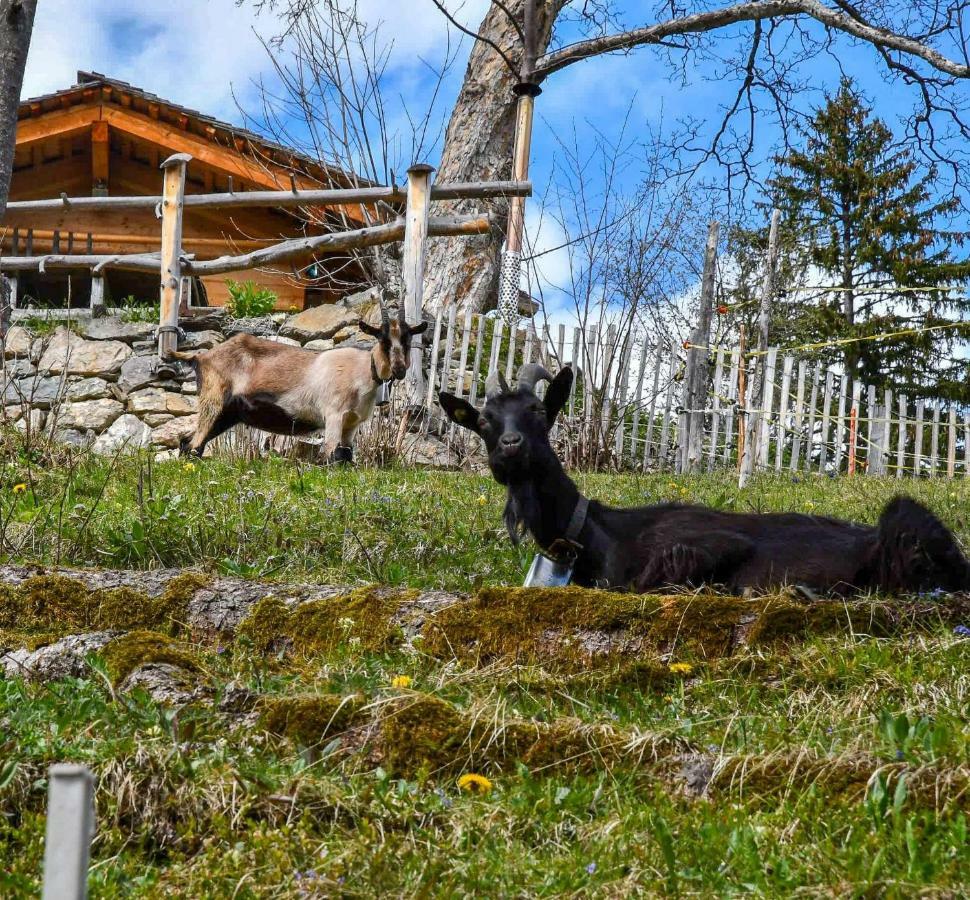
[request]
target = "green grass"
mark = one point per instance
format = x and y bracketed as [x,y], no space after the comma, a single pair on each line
[207,804]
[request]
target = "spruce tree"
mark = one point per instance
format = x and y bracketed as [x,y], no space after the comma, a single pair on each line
[859,216]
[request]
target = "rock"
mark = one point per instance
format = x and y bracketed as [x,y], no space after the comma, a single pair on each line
[165,455]
[35,419]
[66,352]
[143,347]
[18,342]
[164,683]
[73,438]
[40,392]
[136,372]
[114,329]
[319,344]
[190,387]
[156,419]
[65,658]
[201,340]
[18,368]
[263,326]
[279,339]
[345,334]
[95,415]
[367,297]
[169,434]
[156,400]
[89,389]
[427,451]
[126,432]
[213,317]
[11,413]
[319,322]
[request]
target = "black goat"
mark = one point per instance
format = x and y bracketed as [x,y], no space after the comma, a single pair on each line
[650,547]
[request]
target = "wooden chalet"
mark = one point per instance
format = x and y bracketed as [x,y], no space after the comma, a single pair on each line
[105,137]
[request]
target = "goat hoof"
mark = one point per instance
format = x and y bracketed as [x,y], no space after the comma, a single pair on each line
[344,455]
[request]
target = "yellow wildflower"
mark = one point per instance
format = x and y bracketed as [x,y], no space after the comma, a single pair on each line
[189,467]
[482,499]
[674,485]
[681,668]
[19,488]
[401,681]
[475,784]
[809,505]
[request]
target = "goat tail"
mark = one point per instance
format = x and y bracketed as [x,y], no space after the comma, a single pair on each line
[915,551]
[184,355]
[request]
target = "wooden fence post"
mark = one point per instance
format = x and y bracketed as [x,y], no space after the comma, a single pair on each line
[695,380]
[173,192]
[70,824]
[97,296]
[415,246]
[758,388]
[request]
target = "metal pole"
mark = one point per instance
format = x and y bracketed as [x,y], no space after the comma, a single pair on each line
[70,827]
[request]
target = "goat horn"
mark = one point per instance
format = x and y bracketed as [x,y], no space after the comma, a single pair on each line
[385,321]
[495,385]
[530,375]
[401,311]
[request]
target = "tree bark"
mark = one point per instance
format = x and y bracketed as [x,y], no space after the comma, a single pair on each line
[16,26]
[478,147]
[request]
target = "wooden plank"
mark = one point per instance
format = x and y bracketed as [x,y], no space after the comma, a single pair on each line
[589,381]
[732,394]
[783,429]
[527,349]
[433,361]
[476,366]
[449,347]
[918,440]
[966,444]
[668,403]
[621,399]
[887,425]
[57,123]
[951,443]
[97,295]
[935,439]
[561,347]
[798,416]
[496,344]
[577,368]
[466,331]
[812,415]
[872,427]
[638,399]
[766,413]
[826,419]
[716,387]
[901,437]
[840,431]
[648,439]
[415,236]
[100,147]
[854,412]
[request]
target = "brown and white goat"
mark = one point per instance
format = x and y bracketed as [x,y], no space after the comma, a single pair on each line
[292,391]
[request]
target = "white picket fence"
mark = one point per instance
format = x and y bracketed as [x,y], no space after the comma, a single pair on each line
[626,407]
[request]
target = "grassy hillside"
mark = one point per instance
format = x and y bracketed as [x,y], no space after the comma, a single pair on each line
[820,762]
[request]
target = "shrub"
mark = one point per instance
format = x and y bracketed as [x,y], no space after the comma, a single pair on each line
[249,299]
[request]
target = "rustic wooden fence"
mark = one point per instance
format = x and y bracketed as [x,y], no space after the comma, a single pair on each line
[628,404]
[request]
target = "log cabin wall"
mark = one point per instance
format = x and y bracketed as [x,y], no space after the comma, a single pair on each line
[103,136]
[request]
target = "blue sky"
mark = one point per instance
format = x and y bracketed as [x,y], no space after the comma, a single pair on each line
[211,58]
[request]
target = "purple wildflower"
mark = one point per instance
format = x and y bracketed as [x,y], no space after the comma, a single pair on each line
[591,868]
[962,631]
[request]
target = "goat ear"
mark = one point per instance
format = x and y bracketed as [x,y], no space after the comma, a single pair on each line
[418,329]
[367,328]
[461,412]
[557,394]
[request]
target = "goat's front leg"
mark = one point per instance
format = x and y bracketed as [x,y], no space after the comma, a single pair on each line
[332,438]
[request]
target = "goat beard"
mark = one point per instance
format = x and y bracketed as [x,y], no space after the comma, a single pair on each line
[522,510]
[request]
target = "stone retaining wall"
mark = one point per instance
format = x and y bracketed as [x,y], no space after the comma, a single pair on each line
[93,381]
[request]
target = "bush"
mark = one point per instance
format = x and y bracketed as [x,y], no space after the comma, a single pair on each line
[249,299]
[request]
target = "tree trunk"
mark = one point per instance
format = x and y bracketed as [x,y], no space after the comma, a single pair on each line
[16,25]
[478,147]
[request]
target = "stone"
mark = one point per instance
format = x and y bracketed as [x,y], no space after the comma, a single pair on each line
[35,419]
[40,392]
[126,432]
[319,344]
[95,415]
[115,329]
[427,451]
[262,326]
[136,372]
[157,400]
[72,437]
[89,389]
[11,413]
[319,322]
[289,342]
[201,340]
[169,434]
[214,317]
[156,419]
[18,368]
[190,387]
[18,342]
[345,334]
[66,352]
[66,658]
[143,346]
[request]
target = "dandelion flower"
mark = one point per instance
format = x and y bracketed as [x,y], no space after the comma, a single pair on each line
[401,681]
[19,488]
[474,784]
[681,668]
[189,467]
[482,499]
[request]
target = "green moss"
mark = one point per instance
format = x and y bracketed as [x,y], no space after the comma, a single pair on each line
[364,616]
[784,619]
[420,733]
[309,718]
[54,605]
[137,648]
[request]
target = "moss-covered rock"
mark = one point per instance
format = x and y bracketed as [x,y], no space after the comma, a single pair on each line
[137,648]
[309,718]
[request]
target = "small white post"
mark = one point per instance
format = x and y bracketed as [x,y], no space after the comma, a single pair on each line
[70,826]
[173,192]
[415,245]
[97,296]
